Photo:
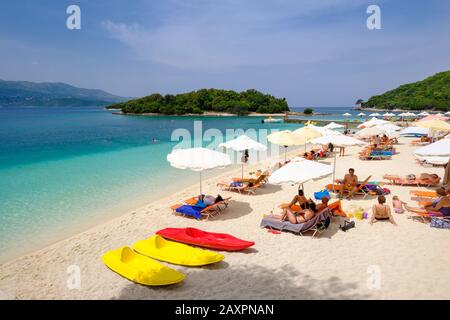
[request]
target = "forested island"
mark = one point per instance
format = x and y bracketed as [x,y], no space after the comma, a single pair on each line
[432,93]
[205,100]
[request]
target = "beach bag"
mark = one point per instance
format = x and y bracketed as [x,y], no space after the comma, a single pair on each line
[439,223]
[322,193]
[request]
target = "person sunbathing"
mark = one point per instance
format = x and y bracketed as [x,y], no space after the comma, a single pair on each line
[299,216]
[429,178]
[350,183]
[381,211]
[441,204]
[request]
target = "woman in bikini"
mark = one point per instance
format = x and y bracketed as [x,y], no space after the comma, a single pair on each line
[381,211]
[303,211]
[441,204]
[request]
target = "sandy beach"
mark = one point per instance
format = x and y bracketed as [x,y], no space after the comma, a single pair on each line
[411,259]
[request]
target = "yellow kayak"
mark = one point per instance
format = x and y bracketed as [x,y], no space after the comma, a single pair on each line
[140,269]
[174,252]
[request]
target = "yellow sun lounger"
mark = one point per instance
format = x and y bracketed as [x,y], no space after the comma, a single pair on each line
[177,253]
[140,269]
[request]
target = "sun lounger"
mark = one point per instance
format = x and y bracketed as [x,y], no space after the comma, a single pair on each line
[262,179]
[316,224]
[359,191]
[198,212]
[424,217]
[420,193]
[404,181]
[241,187]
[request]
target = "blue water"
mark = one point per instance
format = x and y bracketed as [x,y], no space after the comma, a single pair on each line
[63,170]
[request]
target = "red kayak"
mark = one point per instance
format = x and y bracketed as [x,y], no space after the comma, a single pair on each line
[219,241]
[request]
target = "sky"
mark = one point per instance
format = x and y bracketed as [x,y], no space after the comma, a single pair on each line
[315,53]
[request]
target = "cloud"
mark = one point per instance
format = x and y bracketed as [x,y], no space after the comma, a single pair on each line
[232,34]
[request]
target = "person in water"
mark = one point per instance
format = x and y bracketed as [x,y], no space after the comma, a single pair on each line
[441,204]
[381,211]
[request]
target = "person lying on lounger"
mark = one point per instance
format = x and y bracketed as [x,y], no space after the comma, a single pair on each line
[299,216]
[441,204]
[429,178]
[350,183]
[381,211]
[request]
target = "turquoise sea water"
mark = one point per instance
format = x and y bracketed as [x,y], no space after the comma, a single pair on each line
[63,170]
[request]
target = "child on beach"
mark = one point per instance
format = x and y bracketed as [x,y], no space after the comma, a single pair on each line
[398,204]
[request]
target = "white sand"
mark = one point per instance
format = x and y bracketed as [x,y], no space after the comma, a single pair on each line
[413,259]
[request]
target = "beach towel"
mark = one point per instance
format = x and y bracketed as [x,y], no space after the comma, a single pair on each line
[193,211]
[439,223]
[320,218]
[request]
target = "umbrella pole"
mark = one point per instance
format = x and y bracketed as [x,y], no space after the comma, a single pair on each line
[242,171]
[200,183]
[334,170]
[285,154]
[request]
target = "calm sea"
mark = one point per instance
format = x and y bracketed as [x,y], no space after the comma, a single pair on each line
[63,170]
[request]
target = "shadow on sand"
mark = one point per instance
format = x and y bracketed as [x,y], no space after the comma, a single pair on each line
[246,282]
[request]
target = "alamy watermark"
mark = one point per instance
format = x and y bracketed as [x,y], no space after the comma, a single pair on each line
[374,20]
[73,21]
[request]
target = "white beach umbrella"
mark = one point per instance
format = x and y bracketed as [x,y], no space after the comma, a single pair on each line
[387,114]
[198,159]
[243,143]
[339,141]
[376,114]
[389,127]
[347,114]
[370,132]
[334,125]
[423,114]
[439,148]
[440,114]
[372,123]
[447,113]
[324,131]
[361,114]
[300,170]
[435,160]
[414,130]
[407,114]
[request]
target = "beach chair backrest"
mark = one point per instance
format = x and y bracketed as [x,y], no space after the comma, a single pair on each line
[363,183]
[260,178]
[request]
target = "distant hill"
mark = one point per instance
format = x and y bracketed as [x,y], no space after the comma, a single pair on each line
[432,93]
[205,100]
[24,93]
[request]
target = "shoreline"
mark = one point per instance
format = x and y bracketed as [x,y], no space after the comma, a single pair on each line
[331,266]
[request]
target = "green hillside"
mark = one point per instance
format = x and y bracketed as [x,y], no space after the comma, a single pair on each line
[26,93]
[432,93]
[212,100]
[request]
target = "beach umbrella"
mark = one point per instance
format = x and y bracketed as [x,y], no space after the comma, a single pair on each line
[407,114]
[243,143]
[423,114]
[437,125]
[376,114]
[370,132]
[387,114]
[334,125]
[285,138]
[447,113]
[300,170]
[198,159]
[307,133]
[439,114]
[339,141]
[347,114]
[414,131]
[324,131]
[439,148]
[389,127]
[361,114]
[435,117]
[372,123]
